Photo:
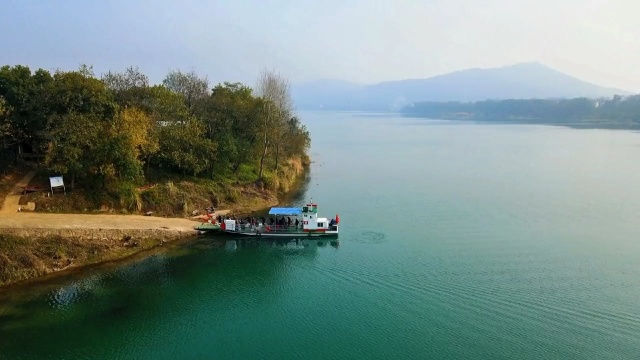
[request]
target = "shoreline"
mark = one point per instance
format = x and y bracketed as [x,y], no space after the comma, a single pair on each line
[37,245]
[586,124]
[54,278]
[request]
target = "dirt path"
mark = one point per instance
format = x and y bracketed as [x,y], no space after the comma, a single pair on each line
[26,220]
[11,218]
[12,201]
[31,220]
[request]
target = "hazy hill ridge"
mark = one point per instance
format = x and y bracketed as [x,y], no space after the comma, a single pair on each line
[519,81]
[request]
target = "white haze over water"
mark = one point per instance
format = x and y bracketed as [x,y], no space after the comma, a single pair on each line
[360,41]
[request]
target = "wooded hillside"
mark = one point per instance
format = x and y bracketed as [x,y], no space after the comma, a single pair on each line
[111,132]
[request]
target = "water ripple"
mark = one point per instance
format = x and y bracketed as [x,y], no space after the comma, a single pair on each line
[368,237]
[567,312]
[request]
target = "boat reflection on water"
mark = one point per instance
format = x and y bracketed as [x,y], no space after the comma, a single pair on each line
[233,244]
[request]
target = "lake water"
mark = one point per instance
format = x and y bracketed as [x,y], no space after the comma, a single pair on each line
[458,240]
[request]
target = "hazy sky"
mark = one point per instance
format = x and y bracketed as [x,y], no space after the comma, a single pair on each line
[357,40]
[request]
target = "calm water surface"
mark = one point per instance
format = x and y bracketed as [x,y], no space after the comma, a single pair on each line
[458,240]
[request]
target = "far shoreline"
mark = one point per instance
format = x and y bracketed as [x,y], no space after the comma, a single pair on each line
[578,124]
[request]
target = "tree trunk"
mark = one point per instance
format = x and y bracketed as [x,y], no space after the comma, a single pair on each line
[266,143]
[275,168]
[264,155]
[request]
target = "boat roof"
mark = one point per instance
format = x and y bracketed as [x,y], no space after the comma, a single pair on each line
[285,211]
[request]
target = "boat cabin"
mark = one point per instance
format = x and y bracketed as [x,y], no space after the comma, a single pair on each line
[287,222]
[311,221]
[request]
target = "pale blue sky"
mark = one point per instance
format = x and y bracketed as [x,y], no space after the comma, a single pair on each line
[361,41]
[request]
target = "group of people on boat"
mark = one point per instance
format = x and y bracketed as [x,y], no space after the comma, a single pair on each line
[250,220]
[284,221]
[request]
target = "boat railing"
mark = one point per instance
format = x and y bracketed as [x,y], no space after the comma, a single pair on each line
[278,229]
[268,228]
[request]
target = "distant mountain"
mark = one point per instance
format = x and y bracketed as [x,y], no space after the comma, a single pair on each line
[520,81]
[336,94]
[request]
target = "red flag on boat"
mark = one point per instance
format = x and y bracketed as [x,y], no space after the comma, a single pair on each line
[337,219]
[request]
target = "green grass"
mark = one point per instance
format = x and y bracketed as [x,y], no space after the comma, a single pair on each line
[246,174]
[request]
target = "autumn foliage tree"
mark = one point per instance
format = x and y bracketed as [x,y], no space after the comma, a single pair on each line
[108,131]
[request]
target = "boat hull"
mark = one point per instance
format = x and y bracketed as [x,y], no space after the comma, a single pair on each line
[289,235]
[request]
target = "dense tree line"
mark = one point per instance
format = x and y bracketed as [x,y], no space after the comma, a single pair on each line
[618,108]
[110,129]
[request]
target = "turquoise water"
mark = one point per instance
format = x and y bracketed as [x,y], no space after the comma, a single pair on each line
[458,240]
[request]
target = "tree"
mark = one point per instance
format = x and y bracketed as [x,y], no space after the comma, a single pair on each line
[5,125]
[89,137]
[86,71]
[189,85]
[16,86]
[16,89]
[134,139]
[231,117]
[132,77]
[74,146]
[183,147]
[104,131]
[129,88]
[6,134]
[277,109]
[165,106]
[297,138]
[25,97]
[3,106]
[75,92]
[7,131]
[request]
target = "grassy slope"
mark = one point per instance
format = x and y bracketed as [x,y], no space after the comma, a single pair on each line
[175,195]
